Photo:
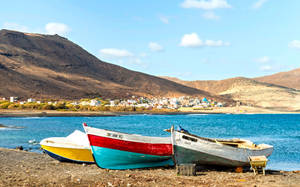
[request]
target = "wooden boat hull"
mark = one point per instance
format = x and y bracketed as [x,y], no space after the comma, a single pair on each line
[115,150]
[69,154]
[187,156]
[202,152]
[117,159]
[73,148]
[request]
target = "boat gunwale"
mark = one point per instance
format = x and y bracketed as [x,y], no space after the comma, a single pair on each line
[144,139]
[68,145]
[219,141]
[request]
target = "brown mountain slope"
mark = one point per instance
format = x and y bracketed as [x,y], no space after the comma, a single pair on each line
[212,86]
[290,79]
[50,66]
[251,92]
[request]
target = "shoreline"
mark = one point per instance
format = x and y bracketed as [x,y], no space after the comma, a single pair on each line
[21,168]
[54,113]
[50,113]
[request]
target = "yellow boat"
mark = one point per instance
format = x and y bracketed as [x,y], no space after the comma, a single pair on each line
[73,148]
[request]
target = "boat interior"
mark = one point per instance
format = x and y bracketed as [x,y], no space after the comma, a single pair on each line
[235,142]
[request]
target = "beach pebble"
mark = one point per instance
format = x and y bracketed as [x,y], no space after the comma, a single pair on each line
[128,175]
[20,148]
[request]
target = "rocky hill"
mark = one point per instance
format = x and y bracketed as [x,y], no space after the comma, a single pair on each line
[290,79]
[250,92]
[211,86]
[50,66]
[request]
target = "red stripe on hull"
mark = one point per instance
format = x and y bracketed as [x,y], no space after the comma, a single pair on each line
[136,147]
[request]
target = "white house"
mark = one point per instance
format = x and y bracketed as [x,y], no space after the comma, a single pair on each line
[145,105]
[112,103]
[95,102]
[84,103]
[13,99]
[30,100]
[131,101]
[75,103]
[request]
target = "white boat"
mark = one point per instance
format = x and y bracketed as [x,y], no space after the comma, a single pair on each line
[73,148]
[116,150]
[192,149]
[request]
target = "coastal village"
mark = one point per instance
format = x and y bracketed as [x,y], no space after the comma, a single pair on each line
[184,103]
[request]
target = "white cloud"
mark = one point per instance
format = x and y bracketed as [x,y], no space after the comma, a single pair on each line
[164,19]
[143,55]
[155,47]
[57,28]
[295,44]
[15,27]
[193,40]
[266,68]
[205,4]
[50,28]
[122,57]
[217,43]
[210,15]
[259,4]
[274,67]
[264,59]
[115,53]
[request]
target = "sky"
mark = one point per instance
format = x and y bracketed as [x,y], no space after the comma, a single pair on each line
[187,39]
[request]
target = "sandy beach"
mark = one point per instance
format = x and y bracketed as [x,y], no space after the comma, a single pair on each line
[21,168]
[51,113]
[54,113]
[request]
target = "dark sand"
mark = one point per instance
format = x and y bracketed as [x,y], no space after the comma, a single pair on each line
[54,113]
[20,168]
[51,113]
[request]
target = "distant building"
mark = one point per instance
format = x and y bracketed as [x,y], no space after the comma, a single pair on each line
[84,103]
[95,102]
[112,103]
[30,100]
[75,103]
[145,105]
[13,99]
[131,101]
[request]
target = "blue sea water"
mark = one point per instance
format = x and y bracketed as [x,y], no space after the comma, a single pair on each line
[280,130]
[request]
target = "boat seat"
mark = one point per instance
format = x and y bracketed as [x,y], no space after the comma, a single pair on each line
[258,162]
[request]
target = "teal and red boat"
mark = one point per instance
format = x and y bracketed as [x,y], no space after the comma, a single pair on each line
[116,150]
